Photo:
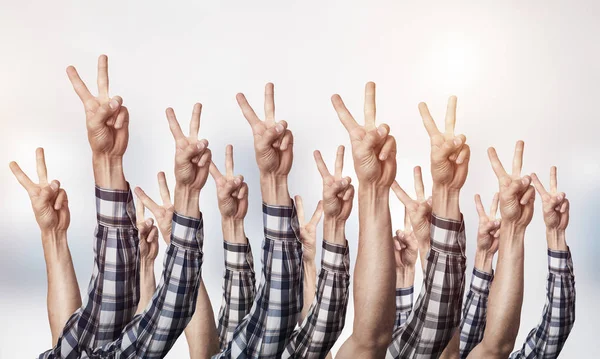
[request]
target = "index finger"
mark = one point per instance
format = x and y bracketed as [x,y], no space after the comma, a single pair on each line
[164,189]
[195,121]
[214,171]
[553,180]
[300,210]
[402,196]
[229,161]
[518,158]
[41,165]
[339,161]
[78,85]
[247,110]
[22,177]
[147,201]
[428,120]
[496,164]
[343,114]
[370,107]
[407,225]
[174,125]
[479,206]
[316,217]
[494,207]
[451,116]
[419,187]
[269,102]
[139,210]
[321,164]
[103,76]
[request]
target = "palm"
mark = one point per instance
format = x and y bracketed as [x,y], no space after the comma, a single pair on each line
[338,193]
[147,232]
[308,230]
[555,203]
[109,136]
[489,225]
[373,150]
[272,140]
[192,157]
[406,251]
[232,191]
[163,213]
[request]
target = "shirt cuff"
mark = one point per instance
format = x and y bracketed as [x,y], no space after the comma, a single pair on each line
[335,258]
[187,232]
[481,281]
[238,257]
[280,222]
[560,262]
[114,208]
[448,236]
[404,299]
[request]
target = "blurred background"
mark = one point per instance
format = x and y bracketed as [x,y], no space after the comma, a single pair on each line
[520,70]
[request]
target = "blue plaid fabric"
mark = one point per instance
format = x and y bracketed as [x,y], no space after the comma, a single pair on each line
[436,314]
[472,325]
[404,304]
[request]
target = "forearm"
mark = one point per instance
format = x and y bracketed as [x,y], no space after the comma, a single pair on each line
[506,295]
[201,333]
[309,269]
[556,239]
[445,202]
[147,284]
[483,261]
[187,201]
[274,190]
[108,172]
[63,291]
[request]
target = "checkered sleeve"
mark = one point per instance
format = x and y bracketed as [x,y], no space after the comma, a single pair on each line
[472,325]
[238,289]
[325,320]
[548,338]
[113,291]
[436,314]
[264,332]
[404,304]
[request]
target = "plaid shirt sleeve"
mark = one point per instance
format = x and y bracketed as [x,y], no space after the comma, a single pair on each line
[472,325]
[113,290]
[404,304]
[325,320]
[548,338]
[264,332]
[238,289]
[436,315]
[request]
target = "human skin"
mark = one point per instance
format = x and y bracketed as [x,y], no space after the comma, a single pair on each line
[51,210]
[374,154]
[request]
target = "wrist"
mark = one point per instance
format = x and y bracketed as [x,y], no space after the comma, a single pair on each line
[186,201]
[511,233]
[108,171]
[334,230]
[556,239]
[274,189]
[372,198]
[445,202]
[233,230]
[54,241]
[405,277]
[483,261]
[146,266]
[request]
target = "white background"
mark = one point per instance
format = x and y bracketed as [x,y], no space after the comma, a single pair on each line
[520,71]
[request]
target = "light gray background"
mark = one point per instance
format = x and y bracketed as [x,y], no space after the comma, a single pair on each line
[520,71]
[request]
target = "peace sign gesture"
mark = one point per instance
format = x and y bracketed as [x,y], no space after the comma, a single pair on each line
[272,140]
[338,193]
[106,120]
[192,157]
[148,234]
[48,200]
[516,194]
[232,191]
[555,204]
[449,153]
[406,248]
[164,213]
[489,227]
[308,230]
[419,212]
[373,150]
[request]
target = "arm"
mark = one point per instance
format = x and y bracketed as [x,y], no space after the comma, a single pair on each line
[506,295]
[50,206]
[374,153]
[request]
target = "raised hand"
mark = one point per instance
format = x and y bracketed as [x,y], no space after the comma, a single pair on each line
[308,230]
[192,156]
[164,213]
[516,194]
[232,191]
[48,200]
[106,120]
[148,234]
[406,247]
[555,204]
[373,150]
[488,234]
[419,212]
[272,140]
[449,152]
[338,193]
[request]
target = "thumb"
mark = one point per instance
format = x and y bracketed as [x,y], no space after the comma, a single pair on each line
[273,133]
[376,137]
[106,111]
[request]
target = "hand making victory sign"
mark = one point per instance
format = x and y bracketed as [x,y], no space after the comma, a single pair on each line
[556,211]
[148,235]
[162,213]
[488,234]
[308,231]
[232,191]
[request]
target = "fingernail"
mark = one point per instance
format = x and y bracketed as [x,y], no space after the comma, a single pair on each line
[54,186]
[382,156]
[525,181]
[496,223]
[344,183]
[236,181]
[457,141]
[113,104]
[559,197]
[148,222]
[382,131]
[200,146]
[279,128]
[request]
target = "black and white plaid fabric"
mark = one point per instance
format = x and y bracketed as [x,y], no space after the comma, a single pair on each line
[238,289]
[404,304]
[264,332]
[436,315]
[472,325]
[325,320]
